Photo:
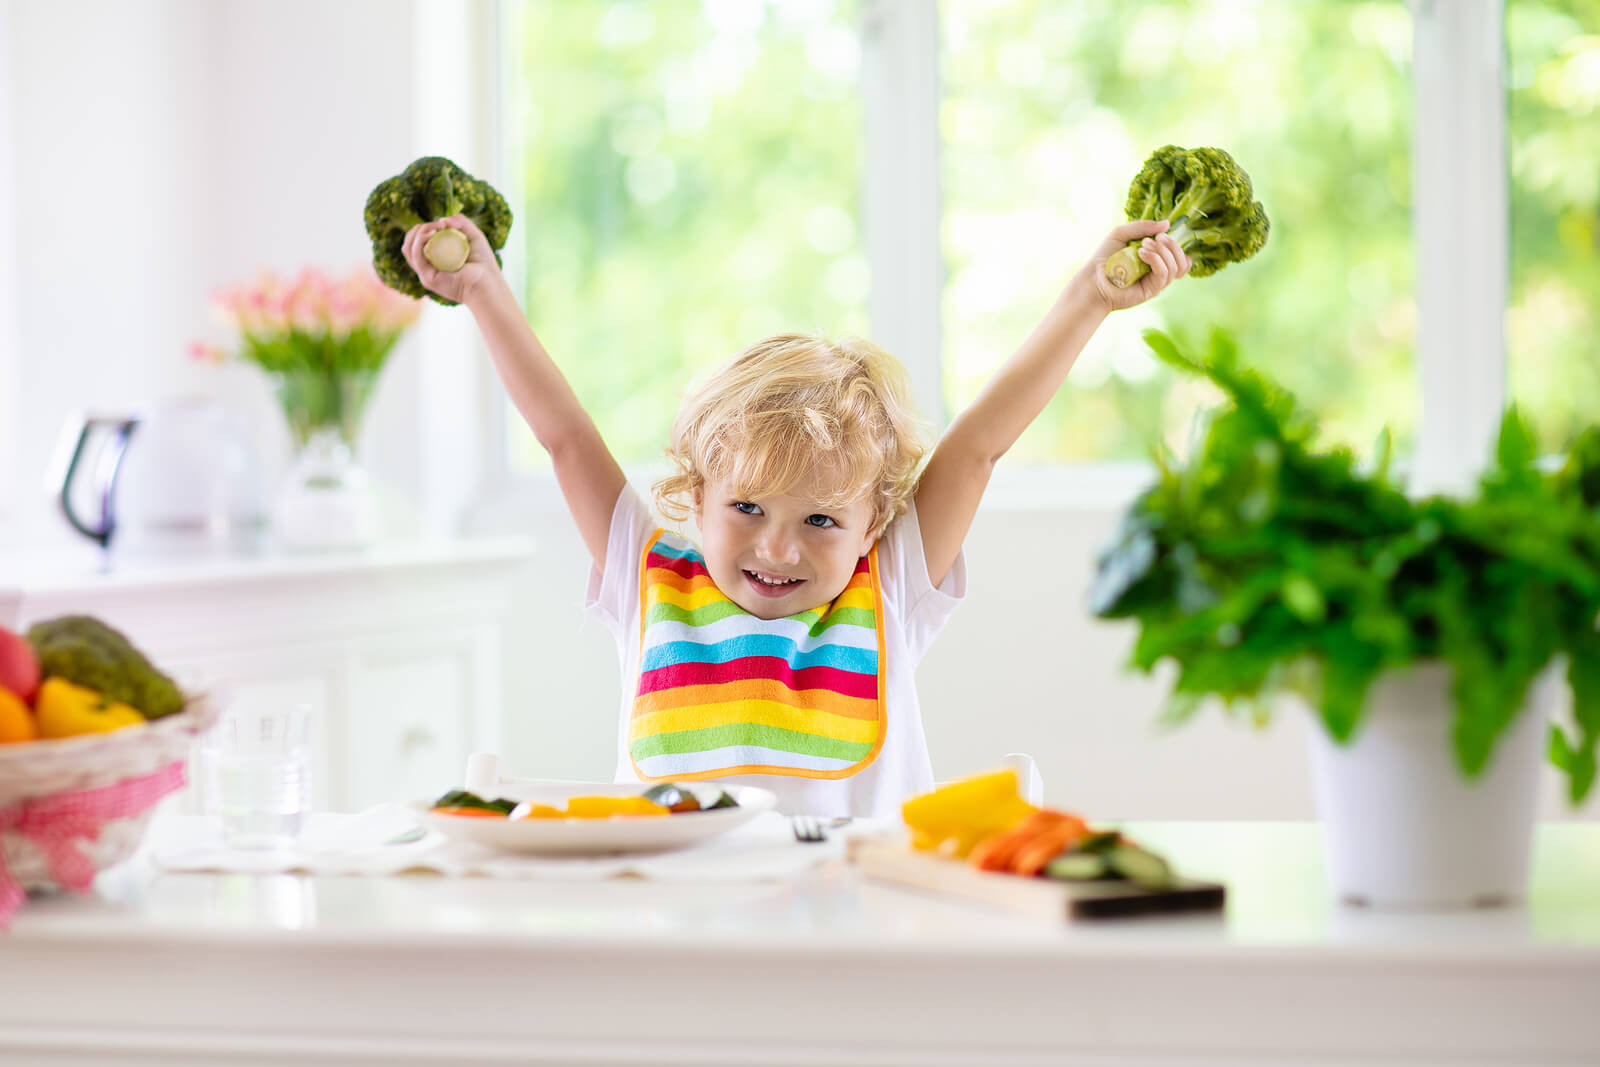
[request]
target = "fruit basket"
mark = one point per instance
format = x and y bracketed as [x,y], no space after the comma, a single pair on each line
[81,770]
[77,804]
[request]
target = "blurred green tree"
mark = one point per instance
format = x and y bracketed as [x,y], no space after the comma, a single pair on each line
[690,172]
[689,178]
[1553,326]
[1049,111]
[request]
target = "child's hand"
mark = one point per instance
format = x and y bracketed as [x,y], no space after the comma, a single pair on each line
[459,285]
[1168,262]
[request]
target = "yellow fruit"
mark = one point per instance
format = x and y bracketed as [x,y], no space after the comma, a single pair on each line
[605,807]
[954,818]
[67,710]
[16,721]
[542,811]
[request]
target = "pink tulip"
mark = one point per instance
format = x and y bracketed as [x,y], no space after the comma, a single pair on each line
[313,303]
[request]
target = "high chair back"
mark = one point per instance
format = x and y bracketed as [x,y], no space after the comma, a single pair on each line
[483,776]
[1030,783]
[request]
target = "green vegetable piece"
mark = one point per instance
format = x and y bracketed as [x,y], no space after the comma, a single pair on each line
[1099,843]
[673,797]
[430,188]
[1206,196]
[690,796]
[460,798]
[1077,867]
[87,652]
[1140,867]
[722,799]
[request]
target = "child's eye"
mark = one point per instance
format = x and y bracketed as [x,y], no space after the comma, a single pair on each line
[744,507]
[820,521]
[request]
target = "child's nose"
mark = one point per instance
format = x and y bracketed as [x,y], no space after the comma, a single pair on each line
[778,549]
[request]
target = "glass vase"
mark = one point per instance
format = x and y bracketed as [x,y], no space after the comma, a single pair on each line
[326,500]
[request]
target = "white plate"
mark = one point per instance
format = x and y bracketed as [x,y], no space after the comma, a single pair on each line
[592,837]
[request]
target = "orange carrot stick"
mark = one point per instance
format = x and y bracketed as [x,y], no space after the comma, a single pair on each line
[1031,859]
[997,853]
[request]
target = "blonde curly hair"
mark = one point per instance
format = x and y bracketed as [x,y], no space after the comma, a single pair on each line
[789,406]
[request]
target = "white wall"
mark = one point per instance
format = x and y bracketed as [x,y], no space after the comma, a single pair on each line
[9,462]
[160,148]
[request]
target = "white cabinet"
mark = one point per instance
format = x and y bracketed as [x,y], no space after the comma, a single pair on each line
[396,650]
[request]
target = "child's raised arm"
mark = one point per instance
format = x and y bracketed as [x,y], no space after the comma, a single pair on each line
[958,472]
[588,474]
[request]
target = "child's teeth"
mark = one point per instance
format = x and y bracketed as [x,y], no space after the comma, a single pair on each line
[764,580]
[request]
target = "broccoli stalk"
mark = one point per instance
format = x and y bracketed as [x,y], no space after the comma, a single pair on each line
[447,250]
[431,188]
[1206,197]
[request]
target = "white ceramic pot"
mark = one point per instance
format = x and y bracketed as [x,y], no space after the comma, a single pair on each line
[1402,825]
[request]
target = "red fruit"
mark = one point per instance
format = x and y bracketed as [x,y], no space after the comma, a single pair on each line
[19,667]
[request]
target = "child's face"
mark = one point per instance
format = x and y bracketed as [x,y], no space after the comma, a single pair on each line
[778,555]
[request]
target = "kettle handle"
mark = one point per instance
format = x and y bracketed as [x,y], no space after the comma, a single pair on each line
[110,460]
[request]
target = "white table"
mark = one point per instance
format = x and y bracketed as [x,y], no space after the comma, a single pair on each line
[210,969]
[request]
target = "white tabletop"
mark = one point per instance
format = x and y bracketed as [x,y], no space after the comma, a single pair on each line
[637,971]
[1273,871]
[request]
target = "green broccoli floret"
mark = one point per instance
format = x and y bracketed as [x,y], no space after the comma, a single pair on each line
[1207,198]
[431,188]
[87,652]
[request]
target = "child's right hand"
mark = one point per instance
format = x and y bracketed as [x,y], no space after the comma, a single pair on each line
[459,285]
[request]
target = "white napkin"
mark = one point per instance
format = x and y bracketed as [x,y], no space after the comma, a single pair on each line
[763,849]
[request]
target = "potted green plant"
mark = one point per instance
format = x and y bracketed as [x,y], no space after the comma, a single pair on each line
[1426,635]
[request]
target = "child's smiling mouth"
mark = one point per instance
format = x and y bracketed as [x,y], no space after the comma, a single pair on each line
[771,585]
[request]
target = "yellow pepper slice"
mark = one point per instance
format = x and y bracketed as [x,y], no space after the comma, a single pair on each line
[605,807]
[67,710]
[955,817]
[541,811]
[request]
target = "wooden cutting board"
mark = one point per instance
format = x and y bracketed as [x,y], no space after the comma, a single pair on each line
[891,859]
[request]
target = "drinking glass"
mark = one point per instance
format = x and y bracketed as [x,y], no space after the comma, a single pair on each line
[258,762]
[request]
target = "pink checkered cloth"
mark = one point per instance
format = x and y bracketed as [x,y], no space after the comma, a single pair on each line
[57,823]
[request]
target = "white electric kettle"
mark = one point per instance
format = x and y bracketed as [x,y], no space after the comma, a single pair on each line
[175,482]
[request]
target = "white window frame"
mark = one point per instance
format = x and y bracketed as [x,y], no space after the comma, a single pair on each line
[1459,166]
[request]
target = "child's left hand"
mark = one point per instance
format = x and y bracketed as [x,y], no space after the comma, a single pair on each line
[1167,260]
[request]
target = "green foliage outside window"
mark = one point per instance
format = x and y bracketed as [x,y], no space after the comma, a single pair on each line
[690,175]
[1553,325]
[1049,111]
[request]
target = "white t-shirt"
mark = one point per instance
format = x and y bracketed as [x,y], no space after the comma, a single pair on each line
[914,613]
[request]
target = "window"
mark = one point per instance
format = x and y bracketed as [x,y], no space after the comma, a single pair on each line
[689,174]
[1048,112]
[1553,323]
[693,169]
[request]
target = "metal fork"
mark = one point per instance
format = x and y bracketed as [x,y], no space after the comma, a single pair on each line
[807,828]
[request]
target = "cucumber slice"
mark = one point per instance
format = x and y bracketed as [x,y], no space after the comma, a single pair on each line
[1077,867]
[1145,869]
[1101,842]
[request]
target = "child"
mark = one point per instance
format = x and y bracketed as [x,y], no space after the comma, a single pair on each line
[781,651]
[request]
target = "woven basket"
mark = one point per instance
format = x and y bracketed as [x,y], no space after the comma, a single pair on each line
[32,770]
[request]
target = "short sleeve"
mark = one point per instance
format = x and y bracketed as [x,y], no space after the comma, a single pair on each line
[923,608]
[612,589]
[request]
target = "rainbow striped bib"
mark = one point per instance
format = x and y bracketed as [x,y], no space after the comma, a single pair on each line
[722,692]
